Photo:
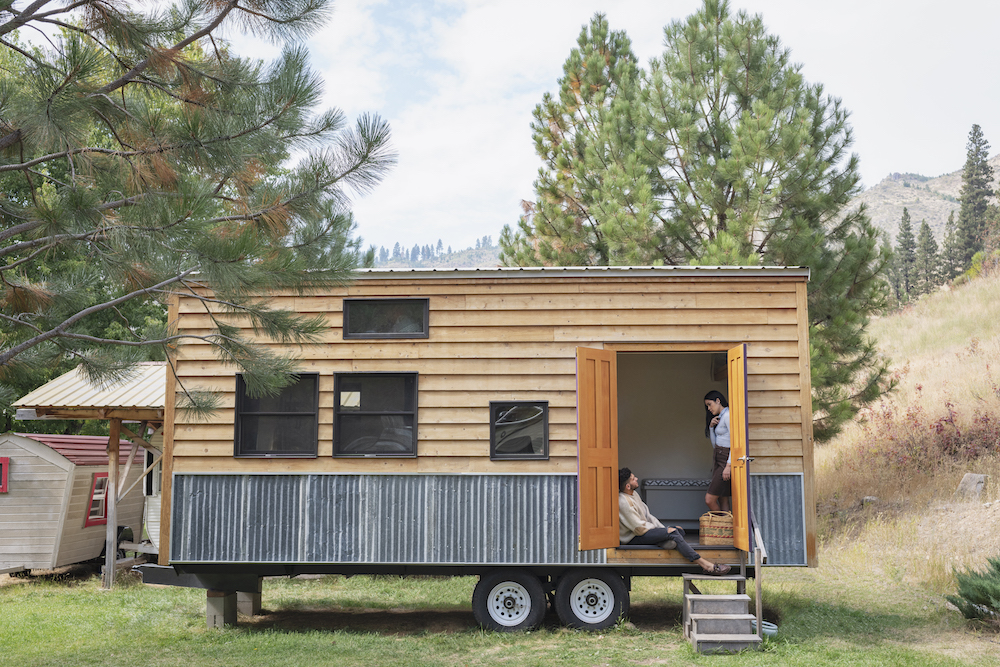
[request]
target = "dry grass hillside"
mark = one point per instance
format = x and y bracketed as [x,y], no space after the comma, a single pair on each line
[886,486]
[930,199]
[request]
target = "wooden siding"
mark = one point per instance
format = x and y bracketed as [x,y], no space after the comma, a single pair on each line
[511,338]
[31,510]
[81,543]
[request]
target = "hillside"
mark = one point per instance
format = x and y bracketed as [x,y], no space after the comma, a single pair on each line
[469,258]
[926,198]
[886,484]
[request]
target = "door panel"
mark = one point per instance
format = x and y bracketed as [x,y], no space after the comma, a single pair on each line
[738,442]
[597,447]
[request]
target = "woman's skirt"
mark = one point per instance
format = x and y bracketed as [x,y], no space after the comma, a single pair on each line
[720,487]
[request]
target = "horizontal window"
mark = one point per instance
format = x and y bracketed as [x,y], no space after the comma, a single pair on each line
[519,430]
[375,414]
[283,425]
[97,510]
[386,318]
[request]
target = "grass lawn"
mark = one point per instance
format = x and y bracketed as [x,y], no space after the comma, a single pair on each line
[428,621]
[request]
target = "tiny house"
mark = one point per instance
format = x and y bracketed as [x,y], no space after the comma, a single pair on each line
[53,499]
[473,422]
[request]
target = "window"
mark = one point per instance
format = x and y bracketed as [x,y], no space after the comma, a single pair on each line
[375,414]
[519,430]
[4,469]
[385,318]
[285,425]
[97,510]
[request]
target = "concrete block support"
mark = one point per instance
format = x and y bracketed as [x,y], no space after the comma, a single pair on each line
[248,602]
[221,609]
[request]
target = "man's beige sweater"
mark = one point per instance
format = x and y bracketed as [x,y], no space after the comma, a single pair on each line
[634,517]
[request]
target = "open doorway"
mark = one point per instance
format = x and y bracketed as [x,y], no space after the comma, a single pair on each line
[661,428]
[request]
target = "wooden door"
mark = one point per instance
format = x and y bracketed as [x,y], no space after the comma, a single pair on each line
[597,447]
[738,442]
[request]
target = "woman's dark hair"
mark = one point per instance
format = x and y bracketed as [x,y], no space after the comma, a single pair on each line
[712,396]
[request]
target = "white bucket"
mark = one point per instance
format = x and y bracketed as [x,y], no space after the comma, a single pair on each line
[770,629]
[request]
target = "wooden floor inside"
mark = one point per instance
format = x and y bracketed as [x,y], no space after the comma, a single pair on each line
[714,553]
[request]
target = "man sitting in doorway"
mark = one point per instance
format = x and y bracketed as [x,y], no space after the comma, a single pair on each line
[637,526]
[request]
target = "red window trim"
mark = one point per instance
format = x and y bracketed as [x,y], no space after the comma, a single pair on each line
[4,467]
[103,520]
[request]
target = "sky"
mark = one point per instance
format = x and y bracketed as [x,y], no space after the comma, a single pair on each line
[457,80]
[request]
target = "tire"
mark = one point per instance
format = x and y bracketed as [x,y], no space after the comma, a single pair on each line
[508,601]
[591,599]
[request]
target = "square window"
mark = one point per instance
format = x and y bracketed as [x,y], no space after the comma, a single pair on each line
[97,510]
[375,414]
[519,430]
[4,470]
[386,318]
[283,425]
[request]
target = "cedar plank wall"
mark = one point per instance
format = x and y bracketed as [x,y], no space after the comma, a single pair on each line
[514,338]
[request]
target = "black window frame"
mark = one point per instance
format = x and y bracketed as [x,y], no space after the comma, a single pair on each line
[541,456]
[348,303]
[242,411]
[338,380]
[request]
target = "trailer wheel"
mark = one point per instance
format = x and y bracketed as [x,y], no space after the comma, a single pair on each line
[508,601]
[591,599]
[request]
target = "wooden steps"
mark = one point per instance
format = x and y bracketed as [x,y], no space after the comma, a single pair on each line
[718,623]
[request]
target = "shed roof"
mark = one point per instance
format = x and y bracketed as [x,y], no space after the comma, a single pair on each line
[72,396]
[84,450]
[579,271]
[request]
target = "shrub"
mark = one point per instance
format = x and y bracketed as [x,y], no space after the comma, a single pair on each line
[979,593]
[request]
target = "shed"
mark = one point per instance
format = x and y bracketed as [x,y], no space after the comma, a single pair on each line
[135,408]
[53,509]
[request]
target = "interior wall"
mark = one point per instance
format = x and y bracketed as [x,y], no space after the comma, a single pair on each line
[661,413]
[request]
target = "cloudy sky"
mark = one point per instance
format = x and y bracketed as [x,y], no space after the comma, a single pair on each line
[458,79]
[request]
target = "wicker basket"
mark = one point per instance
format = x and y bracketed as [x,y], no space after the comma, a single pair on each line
[716,528]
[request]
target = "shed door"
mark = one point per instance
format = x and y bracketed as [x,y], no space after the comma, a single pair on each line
[738,442]
[597,447]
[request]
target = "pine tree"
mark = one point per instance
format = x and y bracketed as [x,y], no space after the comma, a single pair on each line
[906,257]
[927,261]
[721,154]
[397,251]
[588,142]
[951,252]
[440,246]
[891,274]
[977,189]
[147,154]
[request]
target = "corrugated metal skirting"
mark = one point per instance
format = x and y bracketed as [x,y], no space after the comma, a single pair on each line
[777,502]
[376,519]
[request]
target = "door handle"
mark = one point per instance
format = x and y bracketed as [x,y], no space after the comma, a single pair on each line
[746,459]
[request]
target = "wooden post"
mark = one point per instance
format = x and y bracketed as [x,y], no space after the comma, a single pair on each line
[111,505]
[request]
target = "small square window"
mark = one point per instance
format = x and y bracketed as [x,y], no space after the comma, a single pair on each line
[386,318]
[97,510]
[4,470]
[375,414]
[284,425]
[519,430]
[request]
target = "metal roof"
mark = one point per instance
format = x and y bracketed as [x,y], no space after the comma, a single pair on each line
[72,396]
[580,271]
[85,450]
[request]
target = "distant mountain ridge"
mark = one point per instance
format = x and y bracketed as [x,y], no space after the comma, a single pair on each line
[926,198]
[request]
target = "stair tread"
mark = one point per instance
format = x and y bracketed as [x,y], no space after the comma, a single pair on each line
[700,616]
[702,637]
[709,577]
[710,596]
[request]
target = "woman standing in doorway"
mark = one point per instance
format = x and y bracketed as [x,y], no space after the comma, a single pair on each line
[717,429]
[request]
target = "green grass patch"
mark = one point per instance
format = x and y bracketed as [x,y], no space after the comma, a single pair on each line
[428,621]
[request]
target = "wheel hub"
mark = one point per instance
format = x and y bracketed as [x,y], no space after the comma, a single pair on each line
[509,603]
[592,600]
